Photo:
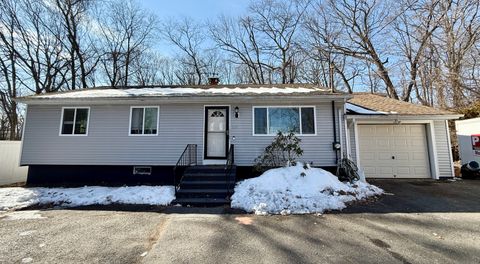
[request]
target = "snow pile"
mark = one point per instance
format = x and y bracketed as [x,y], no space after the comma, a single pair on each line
[298,190]
[17,197]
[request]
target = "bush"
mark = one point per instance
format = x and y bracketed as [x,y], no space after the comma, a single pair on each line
[284,151]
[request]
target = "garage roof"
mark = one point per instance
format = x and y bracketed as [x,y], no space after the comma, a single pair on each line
[384,105]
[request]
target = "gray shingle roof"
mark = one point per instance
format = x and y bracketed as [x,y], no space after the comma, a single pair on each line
[382,103]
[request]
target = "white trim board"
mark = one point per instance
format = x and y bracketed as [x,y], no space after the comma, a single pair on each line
[347,137]
[432,149]
[447,128]
[341,133]
[357,149]
[23,135]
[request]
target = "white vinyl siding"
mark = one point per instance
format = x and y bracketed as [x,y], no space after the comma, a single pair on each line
[444,153]
[108,142]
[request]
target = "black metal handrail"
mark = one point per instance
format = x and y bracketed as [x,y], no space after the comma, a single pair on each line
[188,158]
[229,166]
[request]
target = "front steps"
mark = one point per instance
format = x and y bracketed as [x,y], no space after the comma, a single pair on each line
[205,186]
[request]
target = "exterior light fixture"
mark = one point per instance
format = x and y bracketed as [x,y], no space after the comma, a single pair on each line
[336,146]
[236,111]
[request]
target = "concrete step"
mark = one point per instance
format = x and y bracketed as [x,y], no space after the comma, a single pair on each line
[207,177]
[207,169]
[198,184]
[203,193]
[201,201]
[206,191]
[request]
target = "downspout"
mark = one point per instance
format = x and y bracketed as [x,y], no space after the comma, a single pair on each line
[334,131]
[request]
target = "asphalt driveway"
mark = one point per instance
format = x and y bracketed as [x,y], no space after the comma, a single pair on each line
[416,222]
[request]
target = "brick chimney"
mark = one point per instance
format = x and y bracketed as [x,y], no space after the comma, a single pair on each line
[213,80]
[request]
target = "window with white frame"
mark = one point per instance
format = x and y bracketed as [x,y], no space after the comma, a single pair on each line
[144,120]
[271,120]
[74,121]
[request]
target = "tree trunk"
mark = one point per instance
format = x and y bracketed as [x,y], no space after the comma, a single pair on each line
[13,120]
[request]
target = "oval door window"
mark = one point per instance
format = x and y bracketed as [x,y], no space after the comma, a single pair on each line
[217,114]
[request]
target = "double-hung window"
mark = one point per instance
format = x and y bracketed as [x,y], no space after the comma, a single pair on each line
[273,119]
[74,121]
[144,120]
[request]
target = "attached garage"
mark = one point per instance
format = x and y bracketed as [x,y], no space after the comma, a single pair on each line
[394,151]
[393,139]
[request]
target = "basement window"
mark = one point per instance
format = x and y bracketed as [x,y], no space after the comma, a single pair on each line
[142,170]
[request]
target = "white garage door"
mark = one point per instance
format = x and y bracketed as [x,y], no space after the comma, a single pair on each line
[394,151]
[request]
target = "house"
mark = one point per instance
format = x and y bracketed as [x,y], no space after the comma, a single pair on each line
[140,134]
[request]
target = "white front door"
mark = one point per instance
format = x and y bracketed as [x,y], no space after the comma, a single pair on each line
[216,132]
[394,151]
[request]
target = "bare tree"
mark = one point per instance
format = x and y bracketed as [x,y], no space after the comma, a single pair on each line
[36,45]
[147,67]
[425,51]
[330,65]
[8,69]
[460,33]
[9,81]
[189,38]
[73,18]
[429,78]
[127,31]
[279,21]
[241,41]
[362,24]
[264,42]
[414,28]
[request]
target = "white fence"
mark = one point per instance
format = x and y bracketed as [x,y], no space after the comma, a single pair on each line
[10,172]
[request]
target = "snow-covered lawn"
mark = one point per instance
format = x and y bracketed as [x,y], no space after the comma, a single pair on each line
[18,197]
[296,190]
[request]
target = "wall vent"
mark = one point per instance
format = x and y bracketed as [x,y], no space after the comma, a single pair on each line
[142,170]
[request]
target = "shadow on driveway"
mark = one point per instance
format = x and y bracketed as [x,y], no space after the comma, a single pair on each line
[401,196]
[422,196]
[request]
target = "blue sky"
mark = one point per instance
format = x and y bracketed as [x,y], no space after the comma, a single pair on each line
[197,9]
